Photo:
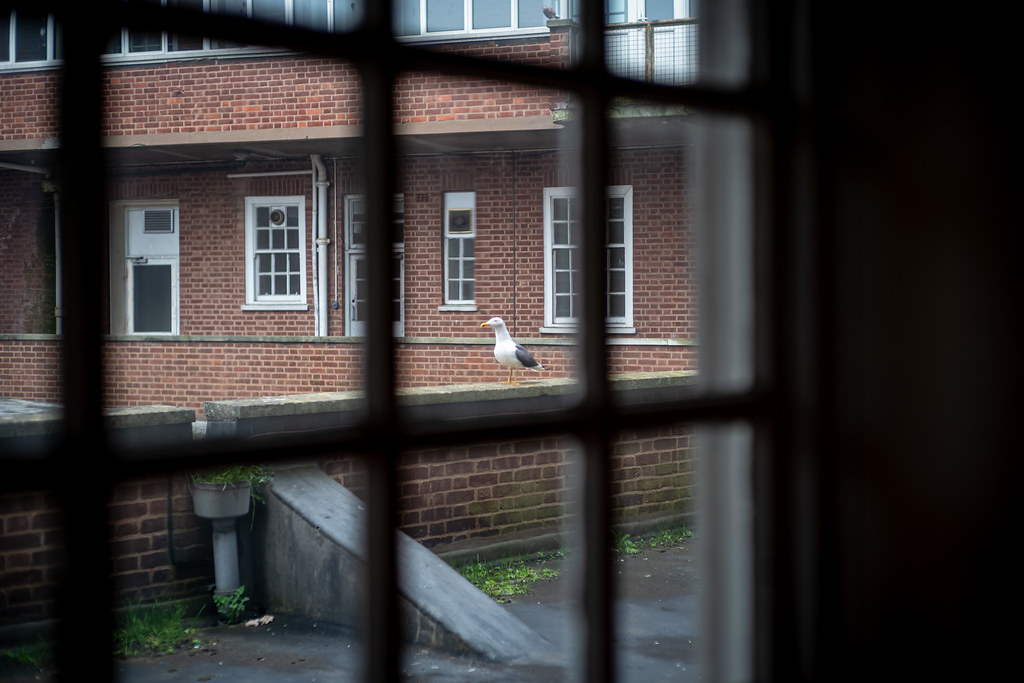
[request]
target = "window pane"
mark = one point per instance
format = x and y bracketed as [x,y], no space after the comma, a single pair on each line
[30,37]
[445,15]
[659,9]
[492,14]
[407,17]
[616,305]
[563,282]
[347,15]
[530,13]
[615,11]
[313,13]
[5,32]
[562,308]
[562,259]
[234,7]
[145,41]
[269,10]
[176,42]
[616,280]
[152,298]
[293,239]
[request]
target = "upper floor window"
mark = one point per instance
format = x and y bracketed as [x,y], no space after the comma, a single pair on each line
[628,11]
[28,37]
[423,17]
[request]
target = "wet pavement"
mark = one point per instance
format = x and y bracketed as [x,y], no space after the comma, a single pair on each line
[656,638]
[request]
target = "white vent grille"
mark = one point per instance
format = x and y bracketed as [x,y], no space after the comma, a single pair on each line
[158,221]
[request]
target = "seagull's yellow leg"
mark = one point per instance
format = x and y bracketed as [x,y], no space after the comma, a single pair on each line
[509,380]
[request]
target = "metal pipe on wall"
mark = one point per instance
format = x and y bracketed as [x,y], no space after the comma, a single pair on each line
[321,242]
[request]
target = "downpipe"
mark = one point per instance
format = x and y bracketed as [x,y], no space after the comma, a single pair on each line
[321,243]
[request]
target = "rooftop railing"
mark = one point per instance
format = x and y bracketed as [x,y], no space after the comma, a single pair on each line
[663,52]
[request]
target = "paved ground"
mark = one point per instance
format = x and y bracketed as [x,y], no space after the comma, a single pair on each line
[656,639]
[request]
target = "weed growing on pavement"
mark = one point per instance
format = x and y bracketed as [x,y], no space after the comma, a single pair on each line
[511,576]
[155,629]
[230,607]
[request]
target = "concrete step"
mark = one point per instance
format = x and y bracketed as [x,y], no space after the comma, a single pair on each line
[310,560]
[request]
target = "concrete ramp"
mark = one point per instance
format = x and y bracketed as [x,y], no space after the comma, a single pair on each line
[311,561]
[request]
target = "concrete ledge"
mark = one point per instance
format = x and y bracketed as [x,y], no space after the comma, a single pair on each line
[30,427]
[272,414]
[311,560]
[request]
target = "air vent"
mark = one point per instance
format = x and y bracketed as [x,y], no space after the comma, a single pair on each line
[277,217]
[158,221]
[460,221]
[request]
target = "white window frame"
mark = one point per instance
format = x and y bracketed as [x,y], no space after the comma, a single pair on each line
[122,319]
[632,10]
[554,324]
[467,28]
[274,302]
[53,43]
[458,201]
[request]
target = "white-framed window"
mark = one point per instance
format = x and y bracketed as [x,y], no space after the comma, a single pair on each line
[144,267]
[460,250]
[356,265]
[624,11]
[28,38]
[433,17]
[562,283]
[275,249]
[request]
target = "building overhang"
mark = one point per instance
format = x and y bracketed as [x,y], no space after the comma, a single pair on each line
[412,139]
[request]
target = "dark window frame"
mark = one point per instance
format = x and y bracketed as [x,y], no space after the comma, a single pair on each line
[87,587]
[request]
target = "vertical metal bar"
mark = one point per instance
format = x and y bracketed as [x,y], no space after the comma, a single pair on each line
[599,662]
[82,467]
[383,650]
[649,53]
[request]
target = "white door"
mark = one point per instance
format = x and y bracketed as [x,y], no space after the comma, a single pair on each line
[357,274]
[151,270]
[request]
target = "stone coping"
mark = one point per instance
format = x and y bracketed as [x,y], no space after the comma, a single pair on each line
[343,401]
[410,341]
[31,418]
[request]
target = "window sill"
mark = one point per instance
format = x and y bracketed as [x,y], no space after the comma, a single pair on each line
[458,307]
[571,329]
[275,307]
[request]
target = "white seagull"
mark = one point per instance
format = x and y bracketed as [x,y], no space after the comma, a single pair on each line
[508,353]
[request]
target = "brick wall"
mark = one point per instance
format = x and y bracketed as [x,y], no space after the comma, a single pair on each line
[475,494]
[26,253]
[219,94]
[184,373]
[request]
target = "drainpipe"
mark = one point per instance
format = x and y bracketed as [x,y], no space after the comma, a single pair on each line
[321,243]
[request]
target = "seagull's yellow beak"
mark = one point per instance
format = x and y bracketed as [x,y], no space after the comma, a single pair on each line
[485,324]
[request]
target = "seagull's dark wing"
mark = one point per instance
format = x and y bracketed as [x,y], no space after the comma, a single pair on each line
[524,357]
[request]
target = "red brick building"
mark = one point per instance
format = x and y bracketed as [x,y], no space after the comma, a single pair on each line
[235,237]
[236,228]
